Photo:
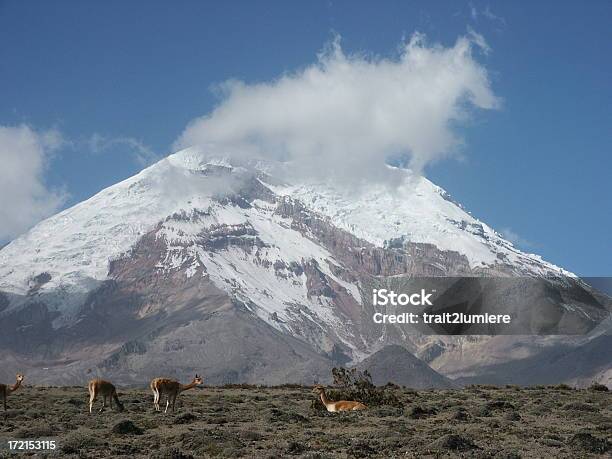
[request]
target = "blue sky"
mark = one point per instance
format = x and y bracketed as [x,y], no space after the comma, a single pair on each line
[121,80]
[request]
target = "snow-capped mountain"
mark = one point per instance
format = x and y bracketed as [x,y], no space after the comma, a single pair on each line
[76,245]
[162,269]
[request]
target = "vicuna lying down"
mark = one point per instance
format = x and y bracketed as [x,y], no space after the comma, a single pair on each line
[342,405]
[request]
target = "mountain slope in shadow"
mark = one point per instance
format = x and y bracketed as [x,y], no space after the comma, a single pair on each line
[397,365]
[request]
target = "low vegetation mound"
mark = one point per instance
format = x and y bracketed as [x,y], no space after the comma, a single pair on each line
[127,427]
[454,442]
[598,387]
[353,384]
[587,442]
[420,412]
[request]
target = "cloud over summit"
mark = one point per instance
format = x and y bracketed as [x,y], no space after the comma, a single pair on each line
[24,197]
[346,115]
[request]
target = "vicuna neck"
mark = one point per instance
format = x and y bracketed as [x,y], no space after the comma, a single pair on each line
[15,386]
[188,386]
[324,398]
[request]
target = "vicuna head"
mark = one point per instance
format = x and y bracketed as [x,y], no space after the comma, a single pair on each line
[19,377]
[198,380]
[318,389]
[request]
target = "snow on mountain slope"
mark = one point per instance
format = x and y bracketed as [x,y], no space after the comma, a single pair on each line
[72,249]
[260,275]
[75,245]
[416,211]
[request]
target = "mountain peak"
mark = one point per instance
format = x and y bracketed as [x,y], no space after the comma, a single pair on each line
[394,363]
[74,248]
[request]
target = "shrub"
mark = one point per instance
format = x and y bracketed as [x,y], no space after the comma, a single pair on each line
[357,385]
[561,387]
[598,387]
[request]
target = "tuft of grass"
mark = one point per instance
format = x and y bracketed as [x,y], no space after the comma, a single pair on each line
[460,415]
[512,416]
[171,453]
[295,448]
[127,427]
[419,412]
[499,405]
[587,442]
[277,415]
[454,442]
[580,406]
[80,441]
[185,418]
[363,448]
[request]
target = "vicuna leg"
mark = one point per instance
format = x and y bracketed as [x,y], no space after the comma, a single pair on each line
[92,399]
[156,399]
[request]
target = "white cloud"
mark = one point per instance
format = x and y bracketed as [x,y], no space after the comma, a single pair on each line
[479,40]
[473,11]
[143,154]
[487,13]
[513,237]
[346,115]
[24,197]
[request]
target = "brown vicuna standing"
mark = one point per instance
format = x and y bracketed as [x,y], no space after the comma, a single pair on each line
[5,389]
[106,390]
[170,388]
[342,405]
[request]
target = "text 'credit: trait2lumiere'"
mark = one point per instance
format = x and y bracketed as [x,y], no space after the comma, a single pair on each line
[384,297]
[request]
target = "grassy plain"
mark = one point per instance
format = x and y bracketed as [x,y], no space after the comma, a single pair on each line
[478,422]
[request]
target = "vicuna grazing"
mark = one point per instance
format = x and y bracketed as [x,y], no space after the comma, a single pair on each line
[170,388]
[5,389]
[106,390]
[342,405]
